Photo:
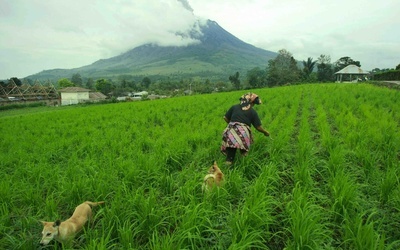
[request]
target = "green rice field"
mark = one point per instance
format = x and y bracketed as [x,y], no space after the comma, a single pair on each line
[328,178]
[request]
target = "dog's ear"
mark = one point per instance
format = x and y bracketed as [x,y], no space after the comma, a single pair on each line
[57,223]
[43,222]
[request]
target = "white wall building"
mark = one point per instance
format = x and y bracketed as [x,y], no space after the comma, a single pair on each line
[74,95]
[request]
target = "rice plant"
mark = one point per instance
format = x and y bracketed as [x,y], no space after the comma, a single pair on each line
[389,183]
[332,158]
[361,234]
[305,221]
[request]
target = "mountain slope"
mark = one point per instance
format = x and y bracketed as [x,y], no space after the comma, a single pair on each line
[217,55]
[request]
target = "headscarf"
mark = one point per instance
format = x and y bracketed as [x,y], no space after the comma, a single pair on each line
[247,99]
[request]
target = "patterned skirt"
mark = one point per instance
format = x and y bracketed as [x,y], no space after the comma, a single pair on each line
[237,135]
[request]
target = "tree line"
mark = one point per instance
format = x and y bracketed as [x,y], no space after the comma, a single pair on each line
[284,69]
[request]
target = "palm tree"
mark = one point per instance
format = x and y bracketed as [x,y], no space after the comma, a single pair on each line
[308,67]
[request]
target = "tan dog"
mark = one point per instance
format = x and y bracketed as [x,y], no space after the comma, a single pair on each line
[215,177]
[64,232]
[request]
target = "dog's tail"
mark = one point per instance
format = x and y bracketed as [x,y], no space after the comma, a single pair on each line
[93,204]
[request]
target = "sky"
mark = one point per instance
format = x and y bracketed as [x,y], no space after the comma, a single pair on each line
[38,35]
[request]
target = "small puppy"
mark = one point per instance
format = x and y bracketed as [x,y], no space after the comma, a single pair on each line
[64,232]
[214,177]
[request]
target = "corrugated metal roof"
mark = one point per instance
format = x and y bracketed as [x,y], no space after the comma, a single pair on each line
[97,95]
[352,69]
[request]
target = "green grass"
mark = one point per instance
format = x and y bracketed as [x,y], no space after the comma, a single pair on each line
[329,179]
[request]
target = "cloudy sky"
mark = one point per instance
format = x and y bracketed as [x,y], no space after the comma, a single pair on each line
[37,35]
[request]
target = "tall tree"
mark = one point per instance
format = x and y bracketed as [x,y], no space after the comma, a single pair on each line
[104,86]
[308,67]
[325,69]
[234,79]
[90,83]
[64,83]
[398,67]
[256,77]
[17,81]
[146,82]
[283,69]
[344,62]
[77,80]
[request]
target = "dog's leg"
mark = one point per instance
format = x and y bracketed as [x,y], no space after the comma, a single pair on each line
[90,215]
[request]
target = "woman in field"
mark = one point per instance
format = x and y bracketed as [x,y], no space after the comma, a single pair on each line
[237,134]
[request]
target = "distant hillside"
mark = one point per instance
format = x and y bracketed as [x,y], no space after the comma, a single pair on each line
[219,55]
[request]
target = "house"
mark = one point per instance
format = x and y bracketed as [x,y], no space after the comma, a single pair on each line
[351,73]
[139,95]
[75,95]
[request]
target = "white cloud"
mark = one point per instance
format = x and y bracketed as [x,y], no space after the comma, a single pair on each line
[365,30]
[38,35]
[42,35]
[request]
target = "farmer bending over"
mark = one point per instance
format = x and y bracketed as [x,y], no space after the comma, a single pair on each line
[237,135]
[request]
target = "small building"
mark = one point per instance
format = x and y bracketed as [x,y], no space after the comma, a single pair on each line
[139,95]
[122,98]
[351,73]
[74,95]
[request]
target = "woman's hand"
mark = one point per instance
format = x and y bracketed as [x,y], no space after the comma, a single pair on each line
[262,130]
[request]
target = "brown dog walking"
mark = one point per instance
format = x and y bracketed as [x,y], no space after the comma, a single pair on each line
[64,232]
